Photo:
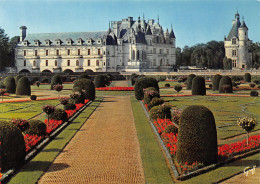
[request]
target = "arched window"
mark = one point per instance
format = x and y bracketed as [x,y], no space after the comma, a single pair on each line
[34,63]
[77,63]
[138,55]
[133,54]
[97,63]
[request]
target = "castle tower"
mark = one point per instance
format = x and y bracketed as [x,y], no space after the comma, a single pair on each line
[237,43]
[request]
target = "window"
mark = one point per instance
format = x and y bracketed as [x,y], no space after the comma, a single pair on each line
[35,53]
[24,63]
[154,62]
[24,52]
[108,63]
[161,62]
[234,52]
[68,51]
[88,62]
[46,63]
[133,55]
[98,51]
[77,63]
[34,63]
[150,42]
[154,50]
[68,63]
[78,51]
[167,51]
[56,63]
[137,55]
[234,41]
[57,52]
[104,63]
[88,51]
[234,63]
[97,63]
[161,51]
[47,52]
[104,52]
[107,52]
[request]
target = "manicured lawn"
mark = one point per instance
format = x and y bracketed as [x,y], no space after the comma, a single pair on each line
[35,168]
[114,93]
[23,110]
[172,83]
[154,164]
[226,110]
[225,171]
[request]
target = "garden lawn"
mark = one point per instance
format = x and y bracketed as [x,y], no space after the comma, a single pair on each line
[226,171]
[114,93]
[172,83]
[154,164]
[226,110]
[23,110]
[34,169]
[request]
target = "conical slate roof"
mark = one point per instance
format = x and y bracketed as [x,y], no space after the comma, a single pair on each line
[172,34]
[243,25]
[234,30]
[148,31]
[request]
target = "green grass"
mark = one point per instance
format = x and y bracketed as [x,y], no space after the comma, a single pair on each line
[172,83]
[34,169]
[114,93]
[154,164]
[226,110]
[23,110]
[226,171]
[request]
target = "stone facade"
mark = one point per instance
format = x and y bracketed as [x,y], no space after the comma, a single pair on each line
[237,43]
[128,45]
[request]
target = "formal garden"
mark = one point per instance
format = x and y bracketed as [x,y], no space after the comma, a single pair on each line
[197,124]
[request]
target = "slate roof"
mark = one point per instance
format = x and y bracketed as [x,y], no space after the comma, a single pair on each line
[64,36]
[243,25]
[234,30]
[172,35]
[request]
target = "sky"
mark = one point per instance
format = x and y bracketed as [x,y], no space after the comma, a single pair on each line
[193,21]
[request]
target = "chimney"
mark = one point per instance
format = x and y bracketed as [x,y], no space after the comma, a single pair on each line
[22,33]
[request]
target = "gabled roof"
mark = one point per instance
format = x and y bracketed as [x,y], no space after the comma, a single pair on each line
[63,36]
[234,30]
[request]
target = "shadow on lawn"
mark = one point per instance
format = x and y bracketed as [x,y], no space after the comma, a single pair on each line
[245,163]
[43,165]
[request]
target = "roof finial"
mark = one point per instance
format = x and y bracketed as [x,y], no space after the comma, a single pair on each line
[143,16]
[158,18]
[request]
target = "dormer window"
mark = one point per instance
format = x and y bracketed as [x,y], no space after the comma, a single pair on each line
[234,41]
[90,41]
[69,41]
[36,42]
[58,42]
[80,41]
[47,42]
[25,43]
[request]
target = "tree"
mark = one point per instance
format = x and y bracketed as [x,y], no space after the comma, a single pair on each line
[254,48]
[4,49]
[227,63]
[13,42]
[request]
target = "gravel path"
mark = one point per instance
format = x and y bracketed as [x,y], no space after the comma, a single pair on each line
[105,150]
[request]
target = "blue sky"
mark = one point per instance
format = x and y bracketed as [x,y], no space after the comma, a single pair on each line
[194,21]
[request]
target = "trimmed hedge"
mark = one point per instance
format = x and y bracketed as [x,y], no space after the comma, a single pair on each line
[56,79]
[225,81]
[69,106]
[10,84]
[17,78]
[84,76]
[133,78]
[189,81]
[155,102]
[100,81]
[150,93]
[162,111]
[247,77]
[253,93]
[88,88]
[167,85]
[215,82]
[12,148]
[23,87]
[171,129]
[33,97]
[197,136]
[198,86]
[81,96]
[37,127]
[142,83]
[59,114]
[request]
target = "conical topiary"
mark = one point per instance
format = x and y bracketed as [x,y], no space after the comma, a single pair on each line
[197,136]
[23,87]
[198,86]
[189,81]
[10,84]
[215,82]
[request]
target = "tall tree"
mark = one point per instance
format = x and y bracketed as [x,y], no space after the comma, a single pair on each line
[4,49]
[13,42]
[255,50]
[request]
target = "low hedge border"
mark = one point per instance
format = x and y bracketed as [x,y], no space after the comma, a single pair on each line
[201,170]
[7,176]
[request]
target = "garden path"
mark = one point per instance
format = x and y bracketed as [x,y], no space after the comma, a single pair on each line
[105,149]
[121,84]
[251,178]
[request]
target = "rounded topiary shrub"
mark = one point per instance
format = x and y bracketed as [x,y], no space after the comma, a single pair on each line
[171,129]
[56,79]
[215,82]
[84,76]
[80,98]
[33,97]
[197,136]
[253,93]
[17,78]
[225,81]
[155,102]
[37,127]
[189,81]
[69,106]
[59,114]
[10,84]
[88,88]
[149,94]
[198,86]
[45,80]
[162,112]
[142,83]
[167,85]
[23,87]
[100,81]
[133,78]
[247,77]
[13,148]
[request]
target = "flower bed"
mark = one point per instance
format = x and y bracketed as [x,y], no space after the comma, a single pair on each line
[115,89]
